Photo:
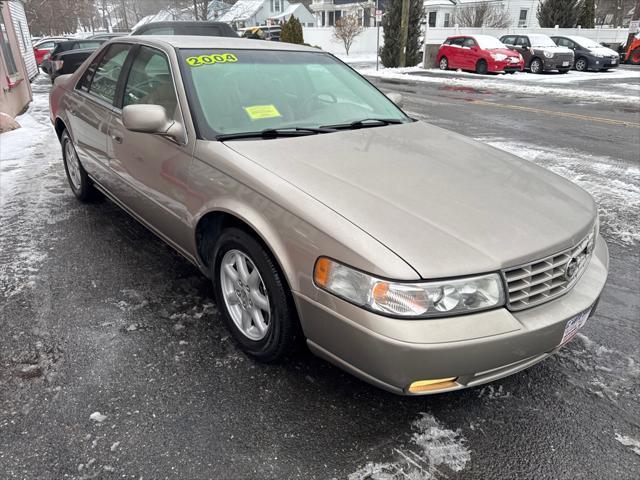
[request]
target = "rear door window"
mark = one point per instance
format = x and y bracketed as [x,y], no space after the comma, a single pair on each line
[523,42]
[159,31]
[469,42]
[457,42]
[108,71]
[509,40]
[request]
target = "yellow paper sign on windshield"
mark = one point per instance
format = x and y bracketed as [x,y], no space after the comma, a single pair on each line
[258,112]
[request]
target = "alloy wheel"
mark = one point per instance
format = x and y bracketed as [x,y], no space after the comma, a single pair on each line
[245,295]
[444,63]
[73,165]
[581,65]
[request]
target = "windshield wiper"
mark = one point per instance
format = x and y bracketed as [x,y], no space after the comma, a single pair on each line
[269,133]
[364,123]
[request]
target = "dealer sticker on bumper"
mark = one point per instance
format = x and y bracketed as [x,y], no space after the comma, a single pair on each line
[565,64]
[574,324]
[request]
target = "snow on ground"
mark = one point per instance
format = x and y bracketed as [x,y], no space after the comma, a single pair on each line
[549,77]
[522,83]
[614,185]
[632,443]
[432,447]
[357,57]
[31,191]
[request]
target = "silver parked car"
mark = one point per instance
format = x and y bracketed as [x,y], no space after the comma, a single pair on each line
[415,258]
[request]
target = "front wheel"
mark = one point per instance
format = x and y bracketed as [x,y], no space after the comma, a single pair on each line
[79,181]
[481,67]
[581,64]
[444,63]
[536,66]
[634,57]
[253,297]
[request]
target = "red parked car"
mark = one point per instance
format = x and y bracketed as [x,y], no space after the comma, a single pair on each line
[43,47]
[478,53]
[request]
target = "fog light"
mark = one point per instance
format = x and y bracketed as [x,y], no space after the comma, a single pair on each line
[429,385]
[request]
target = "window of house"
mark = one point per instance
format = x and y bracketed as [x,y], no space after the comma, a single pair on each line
[432,18]
[522,20]
[276,6]
[7,53]
[447,19]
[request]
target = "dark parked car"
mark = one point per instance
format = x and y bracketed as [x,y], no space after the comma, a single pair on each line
[589,55]
[540,53]
[66,47]
[69,61]
[209,29]
[42,48]
[108,36]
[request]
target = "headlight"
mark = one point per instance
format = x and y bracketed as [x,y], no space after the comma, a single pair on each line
[547,54]
[409,299]
[498,56]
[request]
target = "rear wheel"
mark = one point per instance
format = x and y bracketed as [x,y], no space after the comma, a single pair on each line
[634,57]
[536,66]
[581,64]
[253,297]
[79,181]
[444,63]
[481,67]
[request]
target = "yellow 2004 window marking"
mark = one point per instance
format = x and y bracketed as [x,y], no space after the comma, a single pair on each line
[211,59]
[258,112]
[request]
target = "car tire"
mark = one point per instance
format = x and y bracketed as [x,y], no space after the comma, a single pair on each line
[77,177]
[634,57]
[581,64]
[536,66]
[443,63]
[481,67]
[273,332]
[564,70]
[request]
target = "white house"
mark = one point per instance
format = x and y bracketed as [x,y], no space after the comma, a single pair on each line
[441,13]
[327,12]
[249,13]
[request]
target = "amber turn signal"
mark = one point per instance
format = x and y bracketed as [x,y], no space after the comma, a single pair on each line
[430,385]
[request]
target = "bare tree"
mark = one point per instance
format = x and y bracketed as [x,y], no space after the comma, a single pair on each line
[346,30]
[482,15]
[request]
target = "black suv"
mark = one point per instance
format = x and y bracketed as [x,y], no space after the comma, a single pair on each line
[66,46]
[209,29]
[540,53]
[589,55]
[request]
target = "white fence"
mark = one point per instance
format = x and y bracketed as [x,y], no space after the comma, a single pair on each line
[606,35]
[322,37]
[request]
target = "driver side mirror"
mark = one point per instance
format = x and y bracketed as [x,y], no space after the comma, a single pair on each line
[396,98]
[145,118]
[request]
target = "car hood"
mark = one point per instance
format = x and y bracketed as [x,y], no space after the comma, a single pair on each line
[447,204]
[505,51]
[603,51]
[555,49]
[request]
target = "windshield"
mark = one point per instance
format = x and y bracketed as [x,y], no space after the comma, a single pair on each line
[586,42]
[541,41]
[488,43]
[238,91]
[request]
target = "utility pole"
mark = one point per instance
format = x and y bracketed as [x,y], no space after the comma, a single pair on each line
[404,32]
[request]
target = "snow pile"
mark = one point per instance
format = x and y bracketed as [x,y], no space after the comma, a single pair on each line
[432,447]
[614,185]
[629,442]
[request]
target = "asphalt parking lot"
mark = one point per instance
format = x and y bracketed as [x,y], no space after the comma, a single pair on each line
[98,315]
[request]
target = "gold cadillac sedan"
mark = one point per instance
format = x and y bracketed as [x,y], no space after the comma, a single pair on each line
[413,257]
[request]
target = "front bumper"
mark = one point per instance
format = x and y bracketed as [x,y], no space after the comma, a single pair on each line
[561,63]
[476,348]
[505,66]
[598,63]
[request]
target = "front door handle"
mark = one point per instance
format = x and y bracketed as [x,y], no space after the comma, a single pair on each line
[116,137]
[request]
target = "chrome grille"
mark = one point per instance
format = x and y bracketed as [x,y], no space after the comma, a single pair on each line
[548,278]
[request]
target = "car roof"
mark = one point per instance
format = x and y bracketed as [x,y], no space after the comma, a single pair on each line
[205,42]
[173,23]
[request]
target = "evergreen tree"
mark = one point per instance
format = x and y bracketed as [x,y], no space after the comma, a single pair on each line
[291,31]
[586,18]
[558,12]
[390,52]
